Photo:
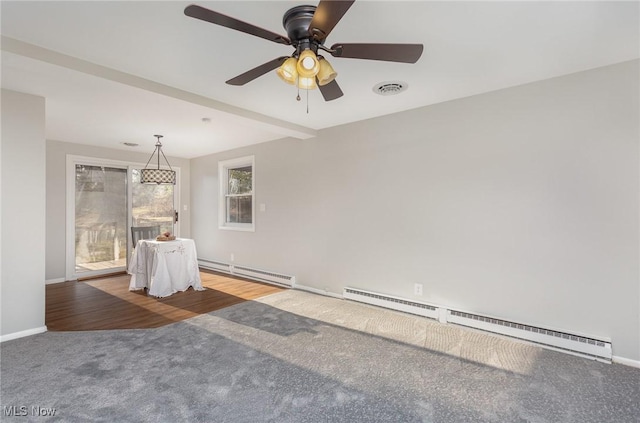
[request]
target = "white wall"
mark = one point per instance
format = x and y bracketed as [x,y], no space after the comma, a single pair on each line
[56,153]
[23,214]
[521,203]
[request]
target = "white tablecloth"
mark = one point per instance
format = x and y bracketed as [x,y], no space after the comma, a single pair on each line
[165,267]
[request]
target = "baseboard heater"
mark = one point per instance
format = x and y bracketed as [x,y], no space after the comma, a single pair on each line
[388,301]
[584,346]
[214,265]
[248,272]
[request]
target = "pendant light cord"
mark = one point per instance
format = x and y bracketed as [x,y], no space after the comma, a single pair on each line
[158,151]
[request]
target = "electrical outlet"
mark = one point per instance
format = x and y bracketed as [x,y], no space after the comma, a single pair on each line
[233,257]
[417,289]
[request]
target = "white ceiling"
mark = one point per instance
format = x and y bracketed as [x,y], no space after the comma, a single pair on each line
[115,72]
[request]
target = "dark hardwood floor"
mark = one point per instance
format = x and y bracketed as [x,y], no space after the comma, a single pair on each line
[107,303]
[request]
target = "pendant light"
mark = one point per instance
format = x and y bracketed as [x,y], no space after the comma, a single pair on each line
[158,176]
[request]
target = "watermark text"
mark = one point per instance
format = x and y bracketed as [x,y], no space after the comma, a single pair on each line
[24,411]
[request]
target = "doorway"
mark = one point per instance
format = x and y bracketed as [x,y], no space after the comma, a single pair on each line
[104,199]
[100,218]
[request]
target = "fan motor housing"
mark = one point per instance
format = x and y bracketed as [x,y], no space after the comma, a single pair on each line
[296,21]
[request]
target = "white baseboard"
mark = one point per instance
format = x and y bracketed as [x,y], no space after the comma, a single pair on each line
[22,334]
[317,291]
[56,280]
[626,361]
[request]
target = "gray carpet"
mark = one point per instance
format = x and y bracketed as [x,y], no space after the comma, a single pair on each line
[299,357]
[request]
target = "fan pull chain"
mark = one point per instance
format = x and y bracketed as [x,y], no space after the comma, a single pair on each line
[298,96]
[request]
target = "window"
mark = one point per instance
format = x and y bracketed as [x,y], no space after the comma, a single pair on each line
[236,194]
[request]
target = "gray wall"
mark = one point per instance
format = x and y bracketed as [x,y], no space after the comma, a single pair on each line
[521,203]
[56,153]
[22,289]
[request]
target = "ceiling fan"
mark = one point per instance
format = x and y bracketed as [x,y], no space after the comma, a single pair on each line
[307,28]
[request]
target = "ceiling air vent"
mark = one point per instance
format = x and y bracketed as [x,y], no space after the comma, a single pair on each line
[390,87]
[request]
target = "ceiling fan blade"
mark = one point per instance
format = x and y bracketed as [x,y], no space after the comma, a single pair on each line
[207,15]
[327,15]
[252,74]
[331,91]
[405,53]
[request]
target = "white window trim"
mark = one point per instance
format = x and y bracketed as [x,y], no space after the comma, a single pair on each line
[223,174]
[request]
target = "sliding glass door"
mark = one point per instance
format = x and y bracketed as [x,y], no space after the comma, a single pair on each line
[104,200]
[100,218]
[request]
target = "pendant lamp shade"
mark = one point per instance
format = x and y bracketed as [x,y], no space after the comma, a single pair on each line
[158,176]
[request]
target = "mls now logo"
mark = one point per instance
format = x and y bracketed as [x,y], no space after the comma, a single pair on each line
[23,410]
[14,410]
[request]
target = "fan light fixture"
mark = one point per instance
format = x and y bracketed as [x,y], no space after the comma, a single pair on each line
[308,64]
[287,71]
[307,83]
[302,71]
[326,73]
[158,176]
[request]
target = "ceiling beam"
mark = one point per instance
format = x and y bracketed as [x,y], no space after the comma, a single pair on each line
[246,117]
